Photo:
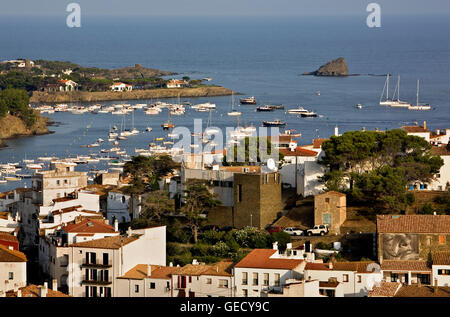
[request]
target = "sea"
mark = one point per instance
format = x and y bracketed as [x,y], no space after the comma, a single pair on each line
[255,56]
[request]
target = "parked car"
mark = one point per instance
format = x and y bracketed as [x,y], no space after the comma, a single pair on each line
[273,229]
[318,230]
[293,231]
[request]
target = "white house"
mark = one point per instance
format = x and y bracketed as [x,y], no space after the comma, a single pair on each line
[344,279]
[266,270]
[176,83]
[13,269]
[201,280]
[95,265]
[122,207]
[54,247]
[441,268]
[146,280]
[121,87]
[68,85]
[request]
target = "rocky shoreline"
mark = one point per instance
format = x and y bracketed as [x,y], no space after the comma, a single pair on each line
[40,97]
[12,127]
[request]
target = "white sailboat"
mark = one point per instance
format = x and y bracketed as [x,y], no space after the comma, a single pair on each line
[418,106]
[398,103]
[233,113]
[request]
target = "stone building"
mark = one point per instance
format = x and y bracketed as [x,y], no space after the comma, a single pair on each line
[257,199]
[330,208]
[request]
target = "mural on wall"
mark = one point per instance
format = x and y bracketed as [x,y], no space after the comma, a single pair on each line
[400,246]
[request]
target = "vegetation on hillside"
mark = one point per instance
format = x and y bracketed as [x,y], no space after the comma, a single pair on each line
[17,103]
[251,151]
[376,168]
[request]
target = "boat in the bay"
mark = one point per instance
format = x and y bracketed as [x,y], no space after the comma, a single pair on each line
[248,101]
[298,110]
[275,123]
[309,114]
[264,109]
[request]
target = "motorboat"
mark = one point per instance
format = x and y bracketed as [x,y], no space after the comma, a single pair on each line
[248,101]
[275,123]
[298,110]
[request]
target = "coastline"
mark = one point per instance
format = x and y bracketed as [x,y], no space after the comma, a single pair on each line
[85,96]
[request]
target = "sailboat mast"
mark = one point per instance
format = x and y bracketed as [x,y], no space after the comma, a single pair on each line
[417,97]
[398,89]
[387,87]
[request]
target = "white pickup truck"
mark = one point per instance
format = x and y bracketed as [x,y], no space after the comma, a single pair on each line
[318,230]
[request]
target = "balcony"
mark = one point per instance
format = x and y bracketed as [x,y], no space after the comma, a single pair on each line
[100,264]
[88,281]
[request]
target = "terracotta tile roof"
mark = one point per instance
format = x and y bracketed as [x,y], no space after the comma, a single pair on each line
[317,143]
[222,268]
[106,243]
[5,236]
[299,151]
[397,265]
[440,150]
[139,272]
[260,258]
[441,258]
[5,194]
[415,129]
[7,255]
[33,291]
[317,266]
[329,284]
[240,169]
[385,289]
[62,199]
[332,192]
[423,291]
[359,267]
[413,223]
[89,226]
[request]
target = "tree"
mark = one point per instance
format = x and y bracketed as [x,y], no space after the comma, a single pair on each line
[198,200]
[17,102]
[156,205]
[377,167]
[147,171]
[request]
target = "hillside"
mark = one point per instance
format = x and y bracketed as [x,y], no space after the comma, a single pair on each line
[84,96]
[12,126]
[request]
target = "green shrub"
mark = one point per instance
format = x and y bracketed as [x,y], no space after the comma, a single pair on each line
[220,249]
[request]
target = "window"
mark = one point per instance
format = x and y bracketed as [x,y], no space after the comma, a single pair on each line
[443,272]
[266,279]
[11,275]
[209,281]
[105,258]
[345,278]
[153,286]
[223,283]
[66,181]
[277,279]
[255,278]
[244,293]
[239,193]
[394,277]
[244,278]
[58,182]
[358,278]
[424,278]
[123,199]
[136,288]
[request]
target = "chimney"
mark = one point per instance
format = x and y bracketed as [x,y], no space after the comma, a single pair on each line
[116,225]
[289,246]
[336,131]
[434,213]
[19,293]
[435,290]
[171,264]
[129,232]
[149,270]
[364,129]
[54,285]
[43,290]
[425,125]
[106,222]
[194,262]
[275,245]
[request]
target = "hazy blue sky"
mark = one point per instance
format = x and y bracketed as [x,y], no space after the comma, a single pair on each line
[224,7]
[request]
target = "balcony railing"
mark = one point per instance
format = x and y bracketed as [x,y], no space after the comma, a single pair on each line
[97,264]
[103,281]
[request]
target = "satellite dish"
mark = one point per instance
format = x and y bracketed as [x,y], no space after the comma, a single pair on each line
[271,165]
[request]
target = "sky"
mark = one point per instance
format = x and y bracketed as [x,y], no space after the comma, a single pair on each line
[223,7]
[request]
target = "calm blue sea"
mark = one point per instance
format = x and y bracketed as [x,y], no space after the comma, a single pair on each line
[257,56]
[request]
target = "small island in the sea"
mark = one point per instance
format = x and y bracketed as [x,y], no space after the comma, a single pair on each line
[335,68]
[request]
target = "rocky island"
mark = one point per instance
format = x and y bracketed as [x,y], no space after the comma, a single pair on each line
[335,68]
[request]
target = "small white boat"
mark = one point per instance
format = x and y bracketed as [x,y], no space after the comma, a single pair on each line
[359,106]
[149,129]
[298,110]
